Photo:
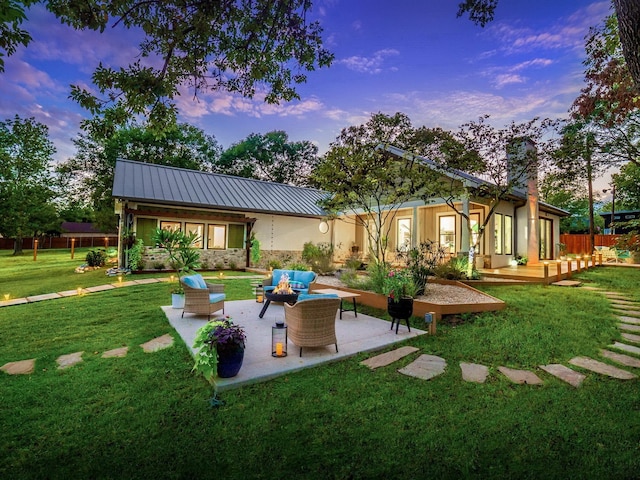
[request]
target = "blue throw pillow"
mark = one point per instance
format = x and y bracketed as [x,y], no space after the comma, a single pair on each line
[297,285]
[191,281]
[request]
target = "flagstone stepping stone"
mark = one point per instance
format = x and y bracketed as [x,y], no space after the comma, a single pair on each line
[631,337]
[99,288]
[124,284]
[144,281]
[589,287]
[520,376]
[39,298]
[425,367]
[617,301]
[629,328]
[567,283]
[15,301]
[564,373]
[626,348]
[630,308]
[116,352]
[474,372]
[388,358]
[69,360]
[21,367]
[69,293]
[158,343]
[631,320]
[601,368]
[621,358]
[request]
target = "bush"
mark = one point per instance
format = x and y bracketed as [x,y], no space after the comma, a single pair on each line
[378,273]
[96,258]
[297,266]
[319,256]
[219,266]
[353,263]
[135,255]
[351,279]
[274,264]
[233,265]
[455,269]
[158,265]
[422,261]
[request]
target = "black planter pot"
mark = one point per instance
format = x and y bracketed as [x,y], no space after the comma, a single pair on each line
[229,361]
[400,309]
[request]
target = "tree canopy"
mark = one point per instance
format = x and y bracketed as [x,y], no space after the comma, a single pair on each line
[90,172]
[269,157]
[243,46]
[26,180]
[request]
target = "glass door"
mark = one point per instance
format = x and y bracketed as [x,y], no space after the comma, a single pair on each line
[546,239]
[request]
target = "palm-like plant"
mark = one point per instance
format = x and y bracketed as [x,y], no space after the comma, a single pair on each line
[180,247]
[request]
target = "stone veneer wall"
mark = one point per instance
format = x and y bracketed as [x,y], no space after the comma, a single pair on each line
[208,258]
[283,256]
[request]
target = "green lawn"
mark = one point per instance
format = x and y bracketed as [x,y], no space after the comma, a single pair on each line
[147,415]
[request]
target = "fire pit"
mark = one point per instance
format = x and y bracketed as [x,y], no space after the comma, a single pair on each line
[282,293]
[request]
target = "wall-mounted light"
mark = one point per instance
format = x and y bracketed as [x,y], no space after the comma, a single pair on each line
[323,226]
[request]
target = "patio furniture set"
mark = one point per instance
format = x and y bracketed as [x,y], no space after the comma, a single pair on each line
[310,317]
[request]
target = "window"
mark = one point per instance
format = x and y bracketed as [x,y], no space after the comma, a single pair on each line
[448,233]
[198,229]
[498,233]
[216,237]
[236,236]
[403,234]
[508,235]
[173,226]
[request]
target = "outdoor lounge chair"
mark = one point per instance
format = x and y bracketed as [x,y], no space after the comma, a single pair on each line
[608,254]
[200,297]
[622,255]
[311,321]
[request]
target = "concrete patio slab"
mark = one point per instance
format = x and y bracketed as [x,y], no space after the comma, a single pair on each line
[355,335]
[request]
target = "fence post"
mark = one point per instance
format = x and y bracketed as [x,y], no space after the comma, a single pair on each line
[35,249]
[73,247]
[568,267]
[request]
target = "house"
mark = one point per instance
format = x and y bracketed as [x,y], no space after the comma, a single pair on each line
[521,225]
[225,211]
[619,217]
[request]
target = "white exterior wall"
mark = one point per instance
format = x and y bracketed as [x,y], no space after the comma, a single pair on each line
[278,232]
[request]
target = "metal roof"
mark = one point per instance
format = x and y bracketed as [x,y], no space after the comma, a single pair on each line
[159,184]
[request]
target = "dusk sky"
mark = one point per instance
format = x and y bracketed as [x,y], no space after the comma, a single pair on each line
[405,56]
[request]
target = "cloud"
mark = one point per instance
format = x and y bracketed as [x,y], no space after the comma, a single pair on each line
[511,74]
[372,65]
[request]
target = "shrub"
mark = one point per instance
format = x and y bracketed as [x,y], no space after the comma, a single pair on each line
[378,273]
[255,250]
[219,266]
[135,255]
[353,263]
[158,265]
[96,258]
[351,279]
[319,256]
[422,261]
[399,284]
[297,266]
[233,265]
[274,264]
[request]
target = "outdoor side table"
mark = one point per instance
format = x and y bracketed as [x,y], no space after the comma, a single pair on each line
[342,295]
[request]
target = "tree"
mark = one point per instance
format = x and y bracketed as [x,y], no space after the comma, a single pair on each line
[499,157]
[627,185]
[26,182]
[270,157]
[92,168]
[571,195]
[482,12]
[242,46]
[370,182]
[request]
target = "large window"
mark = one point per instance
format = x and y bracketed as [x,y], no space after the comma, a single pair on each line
[198,229]
[403,234]
[217,237]
[498,222]
[236,236]
[173,226]
[448,233]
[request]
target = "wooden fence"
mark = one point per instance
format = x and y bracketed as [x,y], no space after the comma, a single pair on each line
[60,242]
[579,243]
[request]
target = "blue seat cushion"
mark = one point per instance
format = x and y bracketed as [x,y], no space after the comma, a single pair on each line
[216,297]
[194,281]
[314,296]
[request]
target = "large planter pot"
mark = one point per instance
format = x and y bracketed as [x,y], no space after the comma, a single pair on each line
[401,308]
[177,300]
[229,361]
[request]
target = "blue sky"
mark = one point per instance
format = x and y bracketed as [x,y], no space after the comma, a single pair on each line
[410,56]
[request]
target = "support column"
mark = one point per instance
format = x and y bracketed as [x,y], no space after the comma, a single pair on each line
[465,239]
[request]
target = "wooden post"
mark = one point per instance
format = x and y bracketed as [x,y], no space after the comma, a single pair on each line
[559,270]
[73,247]
[35,249]
[600,258]
[568,267]
[546,272]
[578,264]
[106,243]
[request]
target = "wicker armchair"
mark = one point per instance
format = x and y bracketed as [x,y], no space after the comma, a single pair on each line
[203,301]
[312,322]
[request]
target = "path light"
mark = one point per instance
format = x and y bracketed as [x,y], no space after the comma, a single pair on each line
[79,290]
[120,278]
[6,297]
[172,278]
[279,339]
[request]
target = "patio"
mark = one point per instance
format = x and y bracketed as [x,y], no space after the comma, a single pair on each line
[355,335]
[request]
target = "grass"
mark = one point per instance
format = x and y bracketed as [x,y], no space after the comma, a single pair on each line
[147,416]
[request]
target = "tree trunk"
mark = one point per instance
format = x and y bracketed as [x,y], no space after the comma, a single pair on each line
[591,215]
[628,14]
[17,246]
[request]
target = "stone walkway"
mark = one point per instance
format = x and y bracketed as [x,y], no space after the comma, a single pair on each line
[627,311]
[425,366]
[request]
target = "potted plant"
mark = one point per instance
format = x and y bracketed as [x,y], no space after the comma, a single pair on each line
[400,290]
[220,347]
[183,257]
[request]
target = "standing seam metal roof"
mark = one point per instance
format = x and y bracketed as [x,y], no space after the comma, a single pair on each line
[147,182]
